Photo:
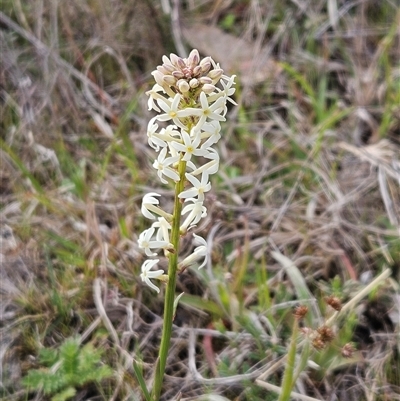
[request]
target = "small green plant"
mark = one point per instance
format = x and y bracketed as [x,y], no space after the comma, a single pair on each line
[67,369]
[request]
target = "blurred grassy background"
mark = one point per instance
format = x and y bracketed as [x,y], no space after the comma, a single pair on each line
[309,177]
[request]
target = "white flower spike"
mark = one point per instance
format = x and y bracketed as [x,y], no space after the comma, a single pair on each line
[190,98]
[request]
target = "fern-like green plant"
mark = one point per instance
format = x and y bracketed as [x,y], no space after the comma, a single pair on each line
[67,369]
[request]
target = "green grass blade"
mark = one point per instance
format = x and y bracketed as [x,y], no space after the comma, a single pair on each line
[141,381]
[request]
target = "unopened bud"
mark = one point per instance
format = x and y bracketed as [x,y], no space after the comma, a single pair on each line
[158,77]
[166,60]
[177,61]
[205,80]
[169,80]
[197,71]
[183,86]
[194,83]
[205,64]
[207,88]
[193,58]
[169,67]
[163,70]
[178,74]
[216,74]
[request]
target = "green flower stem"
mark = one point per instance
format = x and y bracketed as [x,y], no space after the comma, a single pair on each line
[170,291]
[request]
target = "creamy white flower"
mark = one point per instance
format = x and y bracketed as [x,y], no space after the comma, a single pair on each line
[145,242]
[210,167]
[189,146]
[162,164]
[212,112]
[197,212]
[228,90]
[148,274]
[163,229]
[153,94]
[149,204]
[154,139]
[199,252]
[172,111]
[199,187]
[211,131]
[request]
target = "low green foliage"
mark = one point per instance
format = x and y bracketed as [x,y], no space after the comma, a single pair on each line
[67,369]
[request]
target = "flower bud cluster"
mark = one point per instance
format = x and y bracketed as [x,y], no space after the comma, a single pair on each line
[190,94]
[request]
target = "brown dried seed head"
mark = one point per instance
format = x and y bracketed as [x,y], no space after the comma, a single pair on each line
[300,312]
[318,343]
[326,333]
[334,302]
[348,350]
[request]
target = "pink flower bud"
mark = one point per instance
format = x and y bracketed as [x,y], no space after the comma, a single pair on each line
[193,59]
[197,71]
[177,61]
[178,74]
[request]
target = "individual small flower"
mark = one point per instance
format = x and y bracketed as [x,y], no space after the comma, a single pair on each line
[162,165]
[163,229]
[210,167]
[148,274]
[153,94]
[211,131]
[149,204]
[189,146]
[228,90]
[199,187]
[154,139]
[212,112]
[197,212]
[199,252]
[172,111]
[145,242]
